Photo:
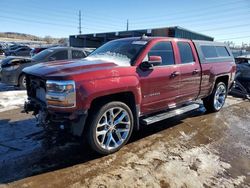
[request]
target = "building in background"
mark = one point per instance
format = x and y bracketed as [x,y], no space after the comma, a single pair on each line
[97,39]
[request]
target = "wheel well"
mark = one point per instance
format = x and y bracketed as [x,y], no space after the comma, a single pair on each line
[223,79]
[125,97]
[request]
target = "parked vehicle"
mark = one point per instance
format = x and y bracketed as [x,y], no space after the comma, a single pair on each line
[128,83]
[21,51]
[35,51]
[241,87]
[12,66]
[2,54]
[14,46]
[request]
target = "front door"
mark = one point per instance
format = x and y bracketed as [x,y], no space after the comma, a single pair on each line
[160,85]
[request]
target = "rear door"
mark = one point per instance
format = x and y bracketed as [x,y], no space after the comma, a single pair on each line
[159,86]
[190,71]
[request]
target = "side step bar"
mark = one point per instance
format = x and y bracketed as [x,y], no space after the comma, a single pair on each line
[169,114]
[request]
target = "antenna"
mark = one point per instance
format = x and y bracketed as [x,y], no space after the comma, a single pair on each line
[80,22]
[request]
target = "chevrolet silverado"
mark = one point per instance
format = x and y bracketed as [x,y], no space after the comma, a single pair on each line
[128,83]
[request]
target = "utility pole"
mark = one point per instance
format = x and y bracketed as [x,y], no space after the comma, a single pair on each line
[80,22]
[127,24]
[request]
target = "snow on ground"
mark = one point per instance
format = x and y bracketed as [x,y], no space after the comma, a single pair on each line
[11,98]
[164,166]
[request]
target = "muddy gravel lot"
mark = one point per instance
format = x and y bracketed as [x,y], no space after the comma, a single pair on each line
[192,150]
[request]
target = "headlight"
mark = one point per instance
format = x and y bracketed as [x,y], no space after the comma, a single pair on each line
[11,68]
[61,93]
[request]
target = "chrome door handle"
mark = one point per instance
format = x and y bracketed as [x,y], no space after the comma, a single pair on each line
[175,74]
[196,71]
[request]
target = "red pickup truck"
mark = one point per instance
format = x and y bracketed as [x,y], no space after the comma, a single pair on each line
[127,83]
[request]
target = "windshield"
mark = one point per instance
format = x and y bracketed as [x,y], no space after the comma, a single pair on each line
[42,56]
[122,52]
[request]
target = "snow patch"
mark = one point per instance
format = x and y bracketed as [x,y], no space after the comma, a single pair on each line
[10,100]
[169,167]
[120,60]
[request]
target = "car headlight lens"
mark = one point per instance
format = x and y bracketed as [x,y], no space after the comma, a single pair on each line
[11,68]
[61,93]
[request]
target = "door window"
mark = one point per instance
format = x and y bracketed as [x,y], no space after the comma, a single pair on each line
[185,52]
[61,55]
[165,50]
[77,54]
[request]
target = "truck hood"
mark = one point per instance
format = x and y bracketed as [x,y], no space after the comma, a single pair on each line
[67,69]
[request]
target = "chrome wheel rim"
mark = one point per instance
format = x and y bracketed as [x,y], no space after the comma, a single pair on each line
[220,96]
[113,128]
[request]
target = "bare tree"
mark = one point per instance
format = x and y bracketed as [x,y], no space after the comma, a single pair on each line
[48,39]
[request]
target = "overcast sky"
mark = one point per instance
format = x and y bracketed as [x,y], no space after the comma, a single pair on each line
[223,20]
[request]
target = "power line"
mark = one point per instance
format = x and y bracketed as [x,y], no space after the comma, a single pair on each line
[188,11]
[223,28]
[108,24]
[215,21]
[40,16]
[234,33]
[102,23]
[45,23]
[195,16]
[35,21]
[54,11]
[241,37]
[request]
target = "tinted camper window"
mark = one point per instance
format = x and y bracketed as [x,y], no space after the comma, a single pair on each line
[222,51]
[209,51]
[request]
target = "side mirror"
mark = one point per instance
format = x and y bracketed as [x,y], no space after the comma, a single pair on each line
[153,61]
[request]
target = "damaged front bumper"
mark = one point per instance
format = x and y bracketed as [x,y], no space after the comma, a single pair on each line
[50,119]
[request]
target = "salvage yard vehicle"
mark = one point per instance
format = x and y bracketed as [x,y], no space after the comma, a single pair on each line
[12,67]
[35,51]
[128,83]
[2,54]
[21,51]
[241,86]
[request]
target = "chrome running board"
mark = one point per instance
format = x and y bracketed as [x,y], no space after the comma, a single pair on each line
[169,114]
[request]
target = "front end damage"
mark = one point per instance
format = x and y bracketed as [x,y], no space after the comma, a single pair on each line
[53,103]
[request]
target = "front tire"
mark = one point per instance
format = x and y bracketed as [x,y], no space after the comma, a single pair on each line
[216,100]
[110,127]
[22,82]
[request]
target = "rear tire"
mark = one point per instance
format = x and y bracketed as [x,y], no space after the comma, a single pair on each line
[110,127]
[22,82]
[215,101]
